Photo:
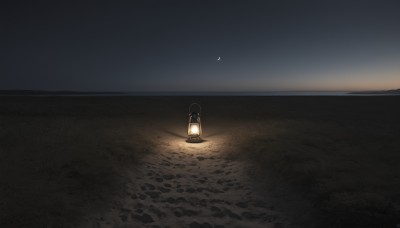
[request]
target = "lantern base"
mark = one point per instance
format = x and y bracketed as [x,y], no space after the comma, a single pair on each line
[194,140]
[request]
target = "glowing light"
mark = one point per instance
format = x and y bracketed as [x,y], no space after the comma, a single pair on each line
[194,129]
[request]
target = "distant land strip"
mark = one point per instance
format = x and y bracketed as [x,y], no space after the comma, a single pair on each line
[393,91]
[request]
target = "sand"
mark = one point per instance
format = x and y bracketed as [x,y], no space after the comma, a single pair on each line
[265,162]
[191,185]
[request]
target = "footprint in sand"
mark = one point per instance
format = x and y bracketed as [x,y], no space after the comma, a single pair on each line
[164,190]
[153,194]
[168,176]
[159,179]
[138,196]
[158,212]
[144,218]
[181,211]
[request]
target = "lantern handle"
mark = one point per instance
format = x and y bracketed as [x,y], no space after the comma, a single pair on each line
[190,107]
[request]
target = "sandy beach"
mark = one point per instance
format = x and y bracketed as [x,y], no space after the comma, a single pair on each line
[265,162]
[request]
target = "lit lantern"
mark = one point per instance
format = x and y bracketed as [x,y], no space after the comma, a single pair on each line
[194,127]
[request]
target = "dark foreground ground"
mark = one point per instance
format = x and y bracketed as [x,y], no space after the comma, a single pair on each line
[327,161]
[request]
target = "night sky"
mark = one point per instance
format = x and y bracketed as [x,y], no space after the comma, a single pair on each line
[174,45]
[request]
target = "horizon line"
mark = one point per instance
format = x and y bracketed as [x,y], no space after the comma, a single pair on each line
[184,91]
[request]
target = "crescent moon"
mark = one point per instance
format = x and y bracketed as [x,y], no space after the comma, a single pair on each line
[219,58]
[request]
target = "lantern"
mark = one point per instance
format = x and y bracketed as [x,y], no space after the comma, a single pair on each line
[194,126]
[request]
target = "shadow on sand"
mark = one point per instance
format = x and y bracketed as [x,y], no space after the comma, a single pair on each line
[174,134]
[216,133]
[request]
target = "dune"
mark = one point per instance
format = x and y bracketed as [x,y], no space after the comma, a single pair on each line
[265,162]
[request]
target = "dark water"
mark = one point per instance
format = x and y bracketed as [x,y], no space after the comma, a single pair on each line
[282,93]
[275,93]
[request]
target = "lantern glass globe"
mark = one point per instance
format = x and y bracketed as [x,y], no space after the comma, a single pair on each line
[194,129]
